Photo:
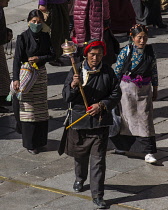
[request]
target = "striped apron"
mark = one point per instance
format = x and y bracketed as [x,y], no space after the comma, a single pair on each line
[34,106]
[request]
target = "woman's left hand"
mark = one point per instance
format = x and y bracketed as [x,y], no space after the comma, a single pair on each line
[33,59]
[155,93]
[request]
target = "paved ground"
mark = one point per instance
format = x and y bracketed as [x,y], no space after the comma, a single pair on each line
[45,181]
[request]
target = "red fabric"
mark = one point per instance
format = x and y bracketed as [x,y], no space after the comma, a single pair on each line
[94,44]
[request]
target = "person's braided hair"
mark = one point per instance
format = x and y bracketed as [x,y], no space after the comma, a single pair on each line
[138,28]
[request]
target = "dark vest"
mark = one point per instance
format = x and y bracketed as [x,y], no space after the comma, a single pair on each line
[144,68]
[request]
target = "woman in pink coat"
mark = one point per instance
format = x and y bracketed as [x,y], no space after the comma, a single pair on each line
[92,21]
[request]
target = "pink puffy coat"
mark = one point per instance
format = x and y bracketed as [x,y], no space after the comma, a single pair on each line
[89,16]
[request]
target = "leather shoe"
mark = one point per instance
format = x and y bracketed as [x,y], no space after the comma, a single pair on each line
[99,203]
[78,186]
[33,151]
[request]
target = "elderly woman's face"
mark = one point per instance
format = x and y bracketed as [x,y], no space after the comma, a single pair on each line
[94,57]
[4,3]
[140,39]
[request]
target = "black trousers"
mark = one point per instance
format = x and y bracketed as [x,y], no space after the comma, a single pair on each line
[97,158]
[97,173]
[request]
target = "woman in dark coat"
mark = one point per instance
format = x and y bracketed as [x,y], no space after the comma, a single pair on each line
[33,46]
[5,37]
[92,21]
[137,69]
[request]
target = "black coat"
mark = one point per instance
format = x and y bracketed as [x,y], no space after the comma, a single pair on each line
[27,46]
[102,86]
[3,29]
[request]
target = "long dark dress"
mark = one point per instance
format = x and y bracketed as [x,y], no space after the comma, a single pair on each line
[4,73]
[122,15]
[32,121]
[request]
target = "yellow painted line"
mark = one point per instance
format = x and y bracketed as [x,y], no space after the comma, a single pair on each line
[62,192]
[49,189]
[129,207]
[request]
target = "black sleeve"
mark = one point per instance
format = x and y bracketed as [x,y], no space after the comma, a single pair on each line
[3,30]
[50,53]
[18,58]
[68,93]
[115,92]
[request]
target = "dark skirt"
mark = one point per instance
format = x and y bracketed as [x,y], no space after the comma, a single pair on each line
[122,15]
[135,144]
[81,143]
[34,134]
[58,21]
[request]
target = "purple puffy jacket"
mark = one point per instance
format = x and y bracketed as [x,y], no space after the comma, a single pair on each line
[89,16]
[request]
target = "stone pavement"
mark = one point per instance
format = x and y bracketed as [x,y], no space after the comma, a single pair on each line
[44,181]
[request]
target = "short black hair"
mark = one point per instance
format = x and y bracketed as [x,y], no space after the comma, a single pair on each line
[35,13]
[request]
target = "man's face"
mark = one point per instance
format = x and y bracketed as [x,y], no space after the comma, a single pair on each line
[4,3]
[94,57]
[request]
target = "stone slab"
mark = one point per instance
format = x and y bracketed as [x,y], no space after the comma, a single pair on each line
[120,163]
[160,111]
[55,168]
[154,198]
[21,13]
[139,179]
[27,199]
[10,147]
[13,166]
[163,143]
[161,128]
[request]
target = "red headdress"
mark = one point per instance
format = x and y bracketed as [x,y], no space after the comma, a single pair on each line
[94,44]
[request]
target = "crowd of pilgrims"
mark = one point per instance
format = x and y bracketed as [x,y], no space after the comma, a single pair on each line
[129,89]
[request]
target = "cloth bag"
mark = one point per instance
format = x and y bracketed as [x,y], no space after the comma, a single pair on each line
[115,128]
[28,76]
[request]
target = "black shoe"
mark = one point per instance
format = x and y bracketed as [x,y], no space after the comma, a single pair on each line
[78,186]
[33,151]
[99,203]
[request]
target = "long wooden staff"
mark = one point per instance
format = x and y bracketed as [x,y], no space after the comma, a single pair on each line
[69,49]
[80,84]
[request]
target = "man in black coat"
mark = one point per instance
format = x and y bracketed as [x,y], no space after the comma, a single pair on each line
[88,138]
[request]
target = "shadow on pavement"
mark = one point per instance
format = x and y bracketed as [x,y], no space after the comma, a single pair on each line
[57,78]
[152,192]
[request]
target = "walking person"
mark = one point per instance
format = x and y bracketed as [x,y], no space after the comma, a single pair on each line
[88,138]
[5,36]
[33,46]
[148,12]
[58,20]
[137,69]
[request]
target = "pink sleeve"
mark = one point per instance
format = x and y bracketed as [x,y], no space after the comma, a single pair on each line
[106,10]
